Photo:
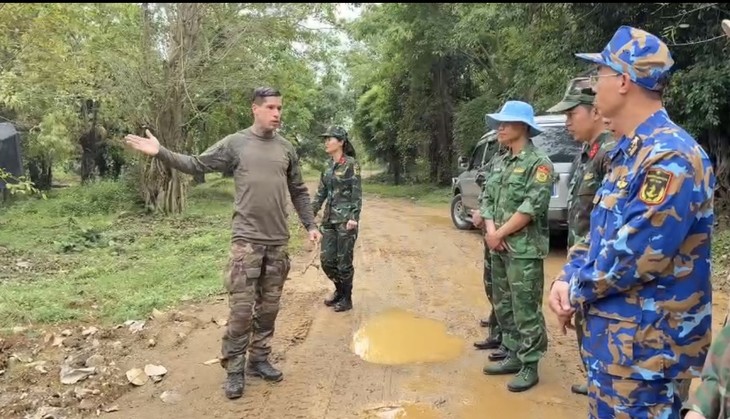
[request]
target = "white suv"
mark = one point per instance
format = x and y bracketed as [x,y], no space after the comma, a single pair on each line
[555,140]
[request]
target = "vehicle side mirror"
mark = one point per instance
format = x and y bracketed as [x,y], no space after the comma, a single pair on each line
[463,163]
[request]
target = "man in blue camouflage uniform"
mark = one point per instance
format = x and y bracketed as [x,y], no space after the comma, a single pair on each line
[642,278]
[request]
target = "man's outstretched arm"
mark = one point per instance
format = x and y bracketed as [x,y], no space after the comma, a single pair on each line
[216,158]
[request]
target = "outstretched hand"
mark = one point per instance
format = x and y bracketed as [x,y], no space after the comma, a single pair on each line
[149,145]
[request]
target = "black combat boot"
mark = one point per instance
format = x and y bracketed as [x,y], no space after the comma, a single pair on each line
[346,302]
[234,381]
[488,343]
[234,385]
[498,355]
[265,370]
[336,296]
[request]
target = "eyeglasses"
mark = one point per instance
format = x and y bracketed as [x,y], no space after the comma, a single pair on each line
[593,78]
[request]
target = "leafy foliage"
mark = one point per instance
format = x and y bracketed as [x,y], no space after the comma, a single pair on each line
[75,78]
[490,53]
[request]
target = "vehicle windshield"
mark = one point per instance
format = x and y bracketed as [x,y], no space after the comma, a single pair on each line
[558,144]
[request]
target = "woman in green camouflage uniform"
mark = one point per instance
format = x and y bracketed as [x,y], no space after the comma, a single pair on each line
[340,186]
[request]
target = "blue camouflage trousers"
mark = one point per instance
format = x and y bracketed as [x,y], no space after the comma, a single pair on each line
[622,398]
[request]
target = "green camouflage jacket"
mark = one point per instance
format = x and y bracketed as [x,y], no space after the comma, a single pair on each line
[340,185]
[590,167]
[712,397]
[495,150]
[521,183]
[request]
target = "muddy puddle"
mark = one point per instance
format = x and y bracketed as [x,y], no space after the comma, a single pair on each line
[397,336]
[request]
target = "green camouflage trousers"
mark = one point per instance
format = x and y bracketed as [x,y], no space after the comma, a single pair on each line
[336,254]
[494,330]
[254,280]
[518,286]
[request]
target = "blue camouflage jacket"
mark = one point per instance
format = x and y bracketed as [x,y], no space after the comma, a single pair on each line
[642,277]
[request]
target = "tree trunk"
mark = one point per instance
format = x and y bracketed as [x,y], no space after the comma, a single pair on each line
[199,178]
[442,140]
[395,165]
[101,164]
[41,173]
[88,156]
[89,141]
[165,189]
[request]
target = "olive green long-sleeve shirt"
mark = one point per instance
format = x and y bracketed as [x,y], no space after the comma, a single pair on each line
[263,170]
[521,183]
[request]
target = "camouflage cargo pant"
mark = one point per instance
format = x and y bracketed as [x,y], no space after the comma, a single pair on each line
[579,321]
[616,397]
[683,384]
[254,280]
[494,330]
[518,286]
[336,254]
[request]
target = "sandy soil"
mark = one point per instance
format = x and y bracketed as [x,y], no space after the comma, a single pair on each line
[418,297]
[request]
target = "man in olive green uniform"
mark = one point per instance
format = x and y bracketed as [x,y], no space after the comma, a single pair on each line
[515,210]
[265,169]
[339,185]
[711,400]
[494,333]
[589,168]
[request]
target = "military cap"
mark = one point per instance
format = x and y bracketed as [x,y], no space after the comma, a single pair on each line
[335,131]
[579,92]
[641,55]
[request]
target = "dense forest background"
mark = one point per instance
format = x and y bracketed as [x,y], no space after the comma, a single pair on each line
[412,82]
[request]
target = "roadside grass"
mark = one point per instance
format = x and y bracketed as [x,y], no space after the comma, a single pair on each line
[421,193]
[88,253]
[721,258]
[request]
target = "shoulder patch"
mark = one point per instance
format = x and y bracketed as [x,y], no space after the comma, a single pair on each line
[543,174]
[654,189]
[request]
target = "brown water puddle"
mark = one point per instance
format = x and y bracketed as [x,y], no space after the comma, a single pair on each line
[406,411]
[399,337]
[482,396]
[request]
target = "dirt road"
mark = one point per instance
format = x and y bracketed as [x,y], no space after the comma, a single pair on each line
[418,297]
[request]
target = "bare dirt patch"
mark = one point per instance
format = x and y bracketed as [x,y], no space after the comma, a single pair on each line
[408,259]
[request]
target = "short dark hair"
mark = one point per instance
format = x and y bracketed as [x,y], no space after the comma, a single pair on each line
[261,92]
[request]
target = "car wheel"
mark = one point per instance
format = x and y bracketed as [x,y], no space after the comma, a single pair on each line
[457,214]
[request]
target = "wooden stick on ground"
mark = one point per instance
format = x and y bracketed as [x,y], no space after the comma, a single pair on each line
[313,259]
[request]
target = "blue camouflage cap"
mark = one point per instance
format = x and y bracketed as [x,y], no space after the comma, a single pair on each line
[641,55]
